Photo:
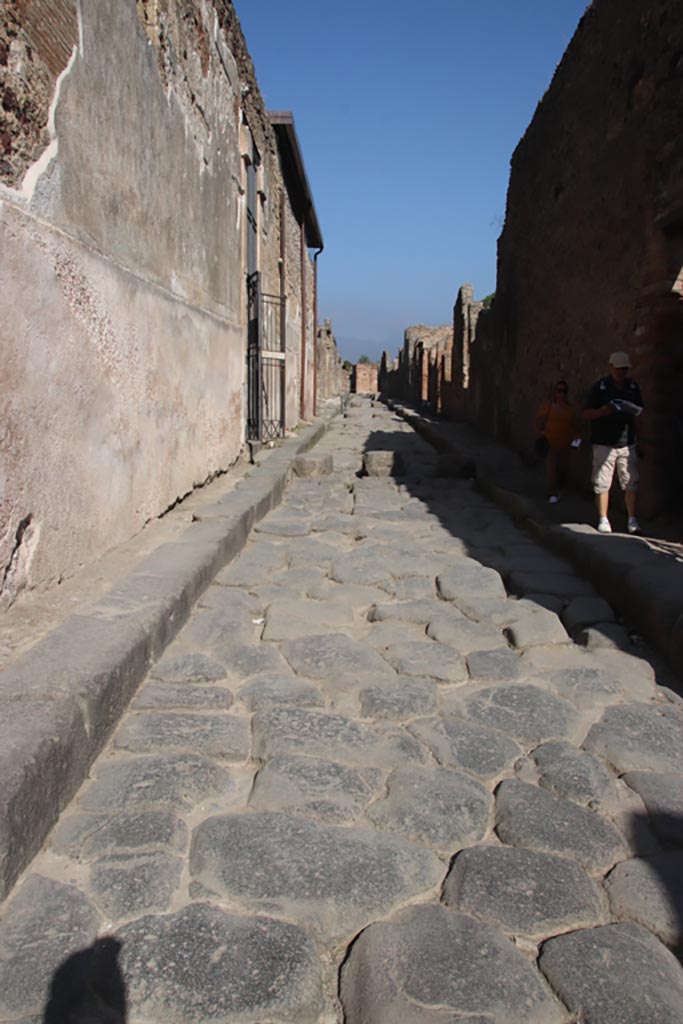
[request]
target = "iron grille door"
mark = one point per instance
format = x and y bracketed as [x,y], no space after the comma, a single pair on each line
[266,363]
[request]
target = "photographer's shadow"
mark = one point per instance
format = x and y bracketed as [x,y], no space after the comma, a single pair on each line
[88,987]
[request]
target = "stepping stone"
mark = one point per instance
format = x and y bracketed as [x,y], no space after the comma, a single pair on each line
[313,466]
[648,737]
[525,712]
[466,636]
[43,923]
[181,696]
[215,734]
[470,578]
[383,463]
[203,964]
[523,892]
[499,665]
[188,668]
[649,891]
[266,690]
[616,974]
[324,790]
[177,781]
[322,657]
[428,658]
[432,965]
[296,731]
[333,879]
[531,817]
[405,698]
[443,809]
[289,619]
[573,774]
[459,744]
[582,612]
[130,884]
[662,795]
[246,660]
[87,836]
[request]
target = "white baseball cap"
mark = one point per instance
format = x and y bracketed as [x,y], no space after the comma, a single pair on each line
[620,359]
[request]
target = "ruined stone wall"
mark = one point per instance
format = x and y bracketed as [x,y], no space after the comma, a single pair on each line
[365,380]
[123,144]
[333,380]
[591,255]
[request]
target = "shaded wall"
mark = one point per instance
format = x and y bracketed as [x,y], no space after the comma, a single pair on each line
[332,378]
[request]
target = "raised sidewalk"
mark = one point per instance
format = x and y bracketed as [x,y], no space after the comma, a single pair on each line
[60,700]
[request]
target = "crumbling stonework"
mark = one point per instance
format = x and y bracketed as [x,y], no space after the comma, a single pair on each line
[333,380]
[128,134]
[364,378]
[414,375]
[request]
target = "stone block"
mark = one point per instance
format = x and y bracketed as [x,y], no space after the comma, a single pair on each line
[582,612]
[383,463]
[312,467]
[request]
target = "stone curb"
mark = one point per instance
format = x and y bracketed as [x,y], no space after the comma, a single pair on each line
[61,700]
[645,586]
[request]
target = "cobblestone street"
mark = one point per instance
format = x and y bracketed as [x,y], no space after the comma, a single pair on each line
[373,780]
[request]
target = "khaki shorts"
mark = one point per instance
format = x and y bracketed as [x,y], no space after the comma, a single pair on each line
[606,459]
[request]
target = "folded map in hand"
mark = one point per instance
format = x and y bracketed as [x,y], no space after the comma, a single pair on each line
[621,405]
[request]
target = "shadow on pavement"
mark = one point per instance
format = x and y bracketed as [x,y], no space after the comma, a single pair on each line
[88,987]
[649,888]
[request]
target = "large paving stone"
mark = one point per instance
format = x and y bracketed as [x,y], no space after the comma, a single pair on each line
[299,618]
[499,665]
[405,698]
[573,774]
[246,660]
[129,884]
[534,626]
[288,522]
[616,974]
[43,924]
[522,891]
[323,656]
[174,780]
[585,611]
[441,808]
[605,636]
[386,634]
[662,795]
[409,588]
[531,817]
[334,879]
[253,565]
[456,743]
[427,658]
[214,733]
[309,552]
[203,964]
[431,965]
[465,635]
[366,566]
[649,891]
[563,584]
[159,696]
[213,629]
[297,731]
[324,790]
[419,612]
[87,836]
[639,736]
[188,668]
[266,690]
[525,712]
[470,578]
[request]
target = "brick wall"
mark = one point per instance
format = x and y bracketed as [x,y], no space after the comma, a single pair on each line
[365,378]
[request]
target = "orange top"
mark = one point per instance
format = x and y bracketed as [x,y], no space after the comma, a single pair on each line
[560,423]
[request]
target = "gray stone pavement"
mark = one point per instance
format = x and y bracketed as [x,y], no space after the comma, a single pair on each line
[372,780]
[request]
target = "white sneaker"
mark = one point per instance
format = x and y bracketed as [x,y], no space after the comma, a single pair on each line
[553,499]
[604,526]
[633,526]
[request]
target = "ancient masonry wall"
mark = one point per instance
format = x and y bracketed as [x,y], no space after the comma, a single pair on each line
[365,378]
[125,131]
[333,380]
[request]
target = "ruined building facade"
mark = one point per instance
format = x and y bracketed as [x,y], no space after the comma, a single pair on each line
[141,181]
[590,259]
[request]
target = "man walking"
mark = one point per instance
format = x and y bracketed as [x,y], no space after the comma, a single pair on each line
[612,406]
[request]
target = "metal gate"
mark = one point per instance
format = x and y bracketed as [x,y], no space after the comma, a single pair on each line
[265,363]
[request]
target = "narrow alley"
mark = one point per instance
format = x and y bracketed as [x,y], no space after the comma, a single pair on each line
[371,782]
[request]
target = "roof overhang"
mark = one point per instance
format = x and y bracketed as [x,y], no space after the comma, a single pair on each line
[294,174]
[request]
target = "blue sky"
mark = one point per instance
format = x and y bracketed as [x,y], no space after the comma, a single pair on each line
[407,115]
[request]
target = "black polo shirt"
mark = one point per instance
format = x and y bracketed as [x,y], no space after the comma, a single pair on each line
[618,430]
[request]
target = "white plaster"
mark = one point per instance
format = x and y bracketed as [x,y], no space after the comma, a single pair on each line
[38,169]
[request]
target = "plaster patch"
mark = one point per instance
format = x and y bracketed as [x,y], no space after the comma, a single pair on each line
[38,169]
